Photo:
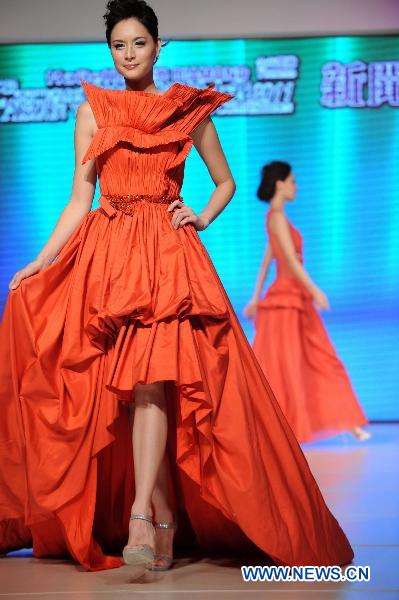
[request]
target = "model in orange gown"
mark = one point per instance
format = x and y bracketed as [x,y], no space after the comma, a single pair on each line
[130,300]
[291,343]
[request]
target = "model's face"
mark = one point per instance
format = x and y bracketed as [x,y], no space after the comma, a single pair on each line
[133,49]
[288,187]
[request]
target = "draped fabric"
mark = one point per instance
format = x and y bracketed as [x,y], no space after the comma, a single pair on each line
[132,300]
[298,357]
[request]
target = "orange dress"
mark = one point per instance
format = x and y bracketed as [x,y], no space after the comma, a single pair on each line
[132,300]
[294,350]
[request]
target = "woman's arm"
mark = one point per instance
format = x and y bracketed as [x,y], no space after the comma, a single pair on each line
[250,309]
[206,141]
[279,226]
[264,268]
[79,204]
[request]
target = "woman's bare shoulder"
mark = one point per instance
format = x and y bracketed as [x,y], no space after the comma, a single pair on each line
[85,110]
[277,220]
[85,115]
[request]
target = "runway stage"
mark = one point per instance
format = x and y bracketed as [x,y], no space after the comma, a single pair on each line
[360,483]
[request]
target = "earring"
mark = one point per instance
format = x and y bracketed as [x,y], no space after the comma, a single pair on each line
[155,59]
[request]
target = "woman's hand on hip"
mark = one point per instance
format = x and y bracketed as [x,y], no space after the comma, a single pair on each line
[183,215]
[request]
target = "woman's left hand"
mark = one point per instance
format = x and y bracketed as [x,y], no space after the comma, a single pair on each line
[251,309]
[183,215]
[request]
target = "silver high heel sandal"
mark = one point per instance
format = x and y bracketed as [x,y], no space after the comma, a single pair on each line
[168,560]
[141,554]
[360,434]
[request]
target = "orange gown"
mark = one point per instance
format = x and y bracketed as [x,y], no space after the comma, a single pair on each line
[132,300]
[300,363]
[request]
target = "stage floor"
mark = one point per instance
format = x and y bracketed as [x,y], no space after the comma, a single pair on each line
[360,482]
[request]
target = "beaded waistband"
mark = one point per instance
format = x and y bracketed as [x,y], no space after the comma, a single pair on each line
[126,202]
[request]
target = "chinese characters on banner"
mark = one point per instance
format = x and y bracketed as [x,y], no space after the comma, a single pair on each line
[272,91]
[360,85]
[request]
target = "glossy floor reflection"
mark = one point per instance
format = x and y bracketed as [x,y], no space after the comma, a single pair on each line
[360,483]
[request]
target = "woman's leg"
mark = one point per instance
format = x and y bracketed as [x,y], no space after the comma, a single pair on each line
[150,427]
[164,504]
[163,500]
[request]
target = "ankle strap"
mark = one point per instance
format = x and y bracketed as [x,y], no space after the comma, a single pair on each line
[143,517]
[172,525]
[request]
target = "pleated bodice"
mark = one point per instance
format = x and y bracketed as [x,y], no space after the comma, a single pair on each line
[143,139]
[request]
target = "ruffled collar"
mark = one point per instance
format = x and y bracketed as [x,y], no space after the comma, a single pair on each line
[143,110]
[177,92]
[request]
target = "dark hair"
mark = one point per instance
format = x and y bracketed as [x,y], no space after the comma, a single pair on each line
[271,173]
[118,10]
